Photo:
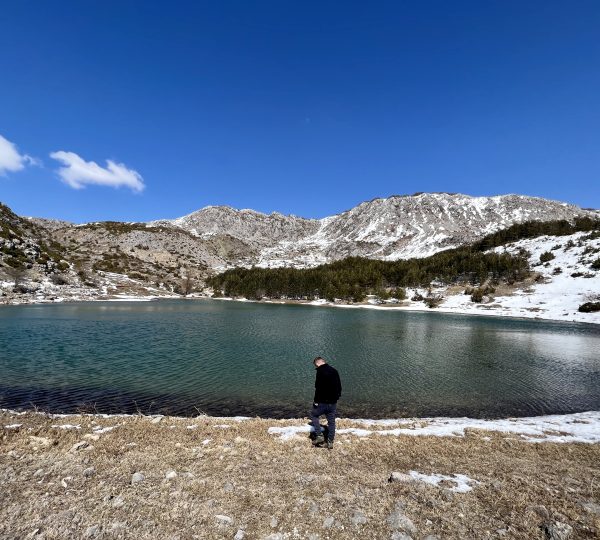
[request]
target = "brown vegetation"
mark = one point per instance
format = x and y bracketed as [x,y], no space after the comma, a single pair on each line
[266,486]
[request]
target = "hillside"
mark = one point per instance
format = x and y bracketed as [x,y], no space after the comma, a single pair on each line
[49,260]
[396,227]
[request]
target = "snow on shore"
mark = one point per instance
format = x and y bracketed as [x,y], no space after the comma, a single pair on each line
[565,282]
[567,428]
[583,427]
[556,296]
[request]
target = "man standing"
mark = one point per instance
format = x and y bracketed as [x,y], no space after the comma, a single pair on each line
[328,390]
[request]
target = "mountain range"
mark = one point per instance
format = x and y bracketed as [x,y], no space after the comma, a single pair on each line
[388,228]
[214,238]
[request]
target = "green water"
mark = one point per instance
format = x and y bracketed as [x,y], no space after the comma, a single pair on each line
[218,357]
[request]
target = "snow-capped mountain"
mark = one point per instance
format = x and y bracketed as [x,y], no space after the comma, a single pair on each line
[387,228]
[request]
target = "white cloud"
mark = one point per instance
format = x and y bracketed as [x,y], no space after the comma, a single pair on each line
[77,173]
[10,158]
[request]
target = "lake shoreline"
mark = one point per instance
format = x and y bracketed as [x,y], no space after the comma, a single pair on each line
[476,312]
[581,427]
[489,312]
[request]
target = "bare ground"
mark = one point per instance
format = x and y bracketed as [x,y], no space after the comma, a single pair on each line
[242,478]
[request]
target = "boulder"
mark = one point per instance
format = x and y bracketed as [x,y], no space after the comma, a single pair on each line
[557,530]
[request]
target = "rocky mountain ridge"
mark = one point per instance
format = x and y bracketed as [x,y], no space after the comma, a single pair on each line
[395,227]
[52,259]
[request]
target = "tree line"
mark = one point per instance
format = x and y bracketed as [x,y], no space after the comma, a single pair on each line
[352,278]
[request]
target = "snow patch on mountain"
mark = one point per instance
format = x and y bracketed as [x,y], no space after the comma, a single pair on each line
[391,228]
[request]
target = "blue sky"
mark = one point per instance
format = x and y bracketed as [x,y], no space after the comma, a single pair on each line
[300,107]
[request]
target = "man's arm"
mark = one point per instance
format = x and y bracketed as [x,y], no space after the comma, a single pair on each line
[318,386]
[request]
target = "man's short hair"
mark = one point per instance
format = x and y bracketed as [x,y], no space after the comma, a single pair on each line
[318,358]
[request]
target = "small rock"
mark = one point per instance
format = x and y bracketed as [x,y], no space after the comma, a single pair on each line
[137,477]
[224,520]
[40,441]
[118,526]
[313,508]
[400,536]
[400,477]
[90,471]
[398,520]
[589,506]
[156,419]
[64,481]
[540,510]
[228,487]
[274,536]
[171,475]
[448,495]
[92,531]
[239,535]
[91,436]
[118,502]
[328,522]
[431,537]
[274,522]
[557,530]
[501,532]
[38,473]
[79,446]
[358,518]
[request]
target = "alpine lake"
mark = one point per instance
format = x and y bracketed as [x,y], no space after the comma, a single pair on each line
[190,357]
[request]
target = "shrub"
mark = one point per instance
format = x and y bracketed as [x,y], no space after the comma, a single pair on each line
[433,301]
[546,256]
[477,295]
[596,264]
[556,271]
[399,293]
[59,279]
[589,307]
[417,297]
[382,294]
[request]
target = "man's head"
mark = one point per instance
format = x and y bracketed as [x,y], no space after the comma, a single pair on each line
[318,361]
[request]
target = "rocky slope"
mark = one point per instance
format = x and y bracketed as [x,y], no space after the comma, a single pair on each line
[389,228]
[61,260]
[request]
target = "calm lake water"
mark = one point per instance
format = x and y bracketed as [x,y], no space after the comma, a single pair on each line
[225,358]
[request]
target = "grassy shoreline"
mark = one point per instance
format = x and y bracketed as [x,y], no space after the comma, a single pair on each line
[70,476]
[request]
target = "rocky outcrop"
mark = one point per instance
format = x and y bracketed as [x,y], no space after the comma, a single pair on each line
[388,228]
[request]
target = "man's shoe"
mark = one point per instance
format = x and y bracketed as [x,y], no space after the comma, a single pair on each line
[329,445]
[319,439]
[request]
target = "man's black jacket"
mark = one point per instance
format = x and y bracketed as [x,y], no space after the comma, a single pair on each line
[328,387]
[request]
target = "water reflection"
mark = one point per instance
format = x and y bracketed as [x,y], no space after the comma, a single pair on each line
[234,358]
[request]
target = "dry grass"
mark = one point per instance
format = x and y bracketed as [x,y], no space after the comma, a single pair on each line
[268,486]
